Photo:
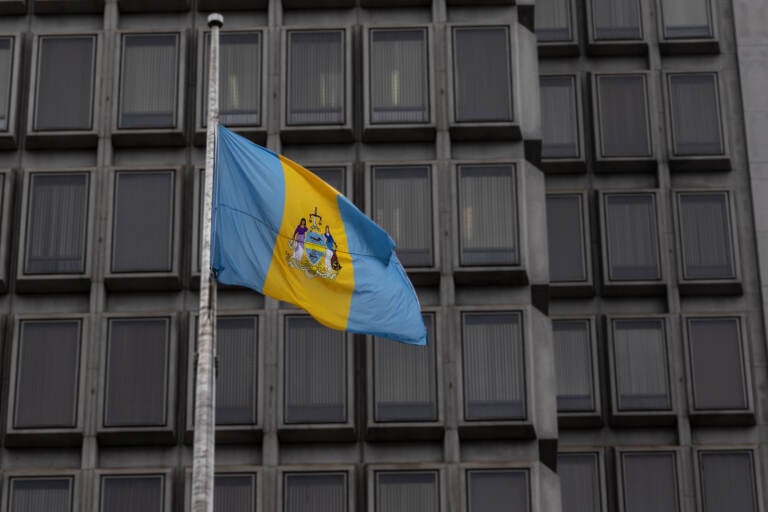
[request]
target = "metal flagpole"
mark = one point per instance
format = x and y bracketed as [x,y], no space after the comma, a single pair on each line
[205,385]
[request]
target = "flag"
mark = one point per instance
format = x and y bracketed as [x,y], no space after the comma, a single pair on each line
[280,230]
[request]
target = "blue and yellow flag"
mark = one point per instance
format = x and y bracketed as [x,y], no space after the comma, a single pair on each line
[284,232]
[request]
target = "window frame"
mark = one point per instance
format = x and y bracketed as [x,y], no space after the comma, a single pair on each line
[610,47]
[129,137]
[578,163]
[398,131]
[256,133]
[619,470]
[76,487]
[129,6]
[13,7]
[6,209]
[229,470]
[699,451]
[372,471]
[585,288]
[683,163]
[391,3]
[245,433]
[602,467]
[309,432]
[643,417]
[135,434]
[640,163]
[36,283]
[230,5]
[167,484]
[640,286]
[144,280]
[317,133]
[9,136]
[564,48]
[688,46]
[532,479]
[485,130]
[48,436]
[337,468]
[717,417]
[317,4]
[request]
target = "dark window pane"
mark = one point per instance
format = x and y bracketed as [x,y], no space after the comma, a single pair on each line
[137,372]
[488,215]
[6,72]
[640,352]
[47,374]
[727,482]
[315,492]
[57,220]
[65,77]
[234,493]
[236,384]
[650,482]
[623,116]
[405,387]
[239,79]
[579,482]
[717,364]
[566,238]
[559,117]
[705,234]
[686,19]
[616,19]
[553,20]
[573,362]
[315,373]
[498,491]
[40,494]
[399,82]
[482,75]
[632,237]
[334,176]
[402,205]
[148,81]
[143,224]
[407,491]
[494,368]
[316,73]
[132,493]
[695,108]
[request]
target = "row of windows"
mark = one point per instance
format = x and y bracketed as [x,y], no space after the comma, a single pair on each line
[317,81]
[632,250]
[623,120]
[612,24]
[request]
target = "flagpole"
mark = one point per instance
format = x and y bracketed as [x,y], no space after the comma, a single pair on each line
[205,385]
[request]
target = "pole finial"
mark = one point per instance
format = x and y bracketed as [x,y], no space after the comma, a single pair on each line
[215,19]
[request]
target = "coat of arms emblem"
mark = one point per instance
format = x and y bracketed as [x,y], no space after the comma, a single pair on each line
[313,249]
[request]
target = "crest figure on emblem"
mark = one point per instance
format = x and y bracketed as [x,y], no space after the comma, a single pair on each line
[312,251]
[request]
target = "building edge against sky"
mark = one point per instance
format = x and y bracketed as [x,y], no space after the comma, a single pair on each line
[626,371]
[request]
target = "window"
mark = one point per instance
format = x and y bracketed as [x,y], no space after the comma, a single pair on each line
[334,176]
[649,482]
[407,491]
[553,21]
[315,492]
[65,83]
[573,364]
[6,81]
[727,480]
[402,205]
[399,76]
[137,372]
[149,81]
[717,364]
[689,19]
[565,228]
[234,493]
[559,117]
[616,20]
[640,365]
[316,77]
[315,373]
[405,384]
[47,374]
[52,494]
[482,75]
[494,368]
[579,482]
[239,78]
[132,492]
[632,237]
[705,235]
[143,221]
[694,104]
[498,490]
[237,381]
[57,220]
[623,115]
[488,215]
